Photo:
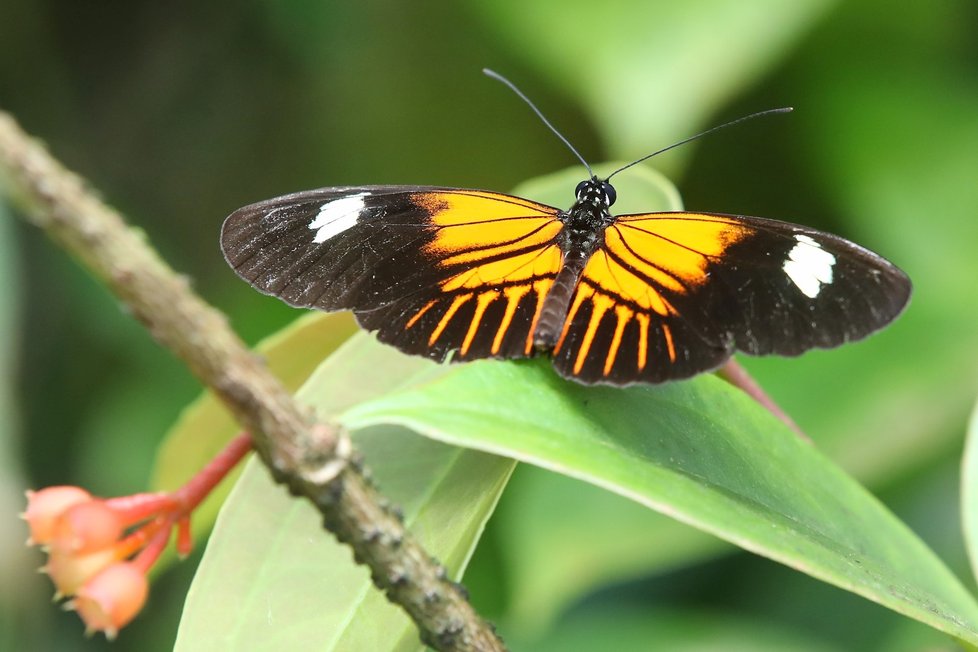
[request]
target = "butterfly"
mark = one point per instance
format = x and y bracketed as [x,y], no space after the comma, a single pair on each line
[649,297]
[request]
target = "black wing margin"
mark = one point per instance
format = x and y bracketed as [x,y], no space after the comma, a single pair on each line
[788,288]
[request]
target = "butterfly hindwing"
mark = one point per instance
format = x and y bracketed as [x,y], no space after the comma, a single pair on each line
[432,270]
[669,295]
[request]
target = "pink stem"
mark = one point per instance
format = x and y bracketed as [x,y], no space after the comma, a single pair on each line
[135,541]
[737,376]
[191,494]
[157,544]
[184,542]
[139,507]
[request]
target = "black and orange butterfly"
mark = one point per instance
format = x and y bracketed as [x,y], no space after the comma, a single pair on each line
[470,274]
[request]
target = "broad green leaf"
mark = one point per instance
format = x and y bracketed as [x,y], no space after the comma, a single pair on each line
[651,73]
[636,627]
[699,451]
[272,578]
[969,492]
[556,554]
[206,426]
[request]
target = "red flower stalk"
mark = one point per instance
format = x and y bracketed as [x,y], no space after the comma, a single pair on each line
[100,550]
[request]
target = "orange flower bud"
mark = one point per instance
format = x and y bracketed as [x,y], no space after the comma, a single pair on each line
[111,599]
[87,527]
[45,506]
[69,571]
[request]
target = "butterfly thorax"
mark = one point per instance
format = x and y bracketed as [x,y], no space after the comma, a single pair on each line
[585,222]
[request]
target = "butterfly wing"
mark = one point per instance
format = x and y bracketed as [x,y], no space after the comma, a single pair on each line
[432,270]
[669,295]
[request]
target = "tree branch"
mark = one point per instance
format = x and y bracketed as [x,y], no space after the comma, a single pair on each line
[314,460]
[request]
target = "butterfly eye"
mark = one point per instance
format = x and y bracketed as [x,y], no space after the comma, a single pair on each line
[609,192]
[581,187]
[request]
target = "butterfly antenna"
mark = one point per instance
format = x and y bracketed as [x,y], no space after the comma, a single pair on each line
[786,109]
[512,87]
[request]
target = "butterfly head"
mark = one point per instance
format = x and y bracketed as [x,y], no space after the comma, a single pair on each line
[595,192]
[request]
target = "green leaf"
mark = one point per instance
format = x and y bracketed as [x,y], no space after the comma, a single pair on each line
[205,426]
[272,578]
[699,451]
[556,554]
[969,492]
[662,68]
[641,627]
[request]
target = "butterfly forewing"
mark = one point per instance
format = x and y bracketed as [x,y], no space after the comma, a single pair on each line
[669,295]
[796,288]
[432,270]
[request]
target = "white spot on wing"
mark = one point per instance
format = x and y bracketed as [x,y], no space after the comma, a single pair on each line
[809,266]
[337,216]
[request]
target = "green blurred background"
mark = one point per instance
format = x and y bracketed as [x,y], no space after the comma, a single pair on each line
[178,113]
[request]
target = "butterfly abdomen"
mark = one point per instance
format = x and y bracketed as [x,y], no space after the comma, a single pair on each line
[554,312]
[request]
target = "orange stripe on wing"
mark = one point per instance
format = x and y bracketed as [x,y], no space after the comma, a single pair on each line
[447,317]
[420,313]
[600,304]
[516,268]
[579,297]
[513,295]
[542,288]
[667,333]
[480,309]
[643,339]
[624,315]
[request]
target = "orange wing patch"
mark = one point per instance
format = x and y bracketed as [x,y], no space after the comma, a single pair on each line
[498,257]
[471,224]
[671,251]
[626,298]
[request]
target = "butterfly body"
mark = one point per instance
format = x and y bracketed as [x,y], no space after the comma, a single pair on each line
[468,274]
[582,233]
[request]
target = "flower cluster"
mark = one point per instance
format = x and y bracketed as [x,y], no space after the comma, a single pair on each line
[100,549]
